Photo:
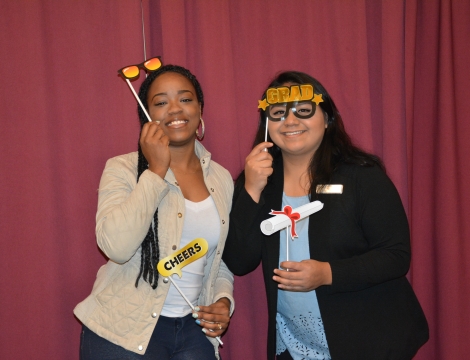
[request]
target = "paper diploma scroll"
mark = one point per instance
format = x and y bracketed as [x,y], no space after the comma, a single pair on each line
[279,222]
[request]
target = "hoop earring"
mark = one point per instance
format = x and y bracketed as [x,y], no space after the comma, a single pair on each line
[203,130]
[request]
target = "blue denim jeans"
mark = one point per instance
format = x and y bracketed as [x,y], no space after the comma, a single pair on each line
[172,338]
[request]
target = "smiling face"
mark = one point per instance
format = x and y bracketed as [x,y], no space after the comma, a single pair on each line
[298,137]
[172,100]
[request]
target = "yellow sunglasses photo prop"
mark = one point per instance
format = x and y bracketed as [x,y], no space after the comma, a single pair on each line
[132,72]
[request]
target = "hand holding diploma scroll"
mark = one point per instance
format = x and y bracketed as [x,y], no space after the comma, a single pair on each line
[175,262]
[288,217]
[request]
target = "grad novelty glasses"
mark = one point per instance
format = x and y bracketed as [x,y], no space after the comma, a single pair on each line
[301,110]
[300,99]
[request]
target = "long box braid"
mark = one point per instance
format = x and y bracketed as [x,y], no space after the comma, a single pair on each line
[150,254]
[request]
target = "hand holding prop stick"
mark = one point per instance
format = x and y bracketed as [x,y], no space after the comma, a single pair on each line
[175,262]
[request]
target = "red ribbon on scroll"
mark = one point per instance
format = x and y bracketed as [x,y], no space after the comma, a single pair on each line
[293,216]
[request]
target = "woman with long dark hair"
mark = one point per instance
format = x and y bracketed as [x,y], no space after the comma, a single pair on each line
[343,293]
[151,203]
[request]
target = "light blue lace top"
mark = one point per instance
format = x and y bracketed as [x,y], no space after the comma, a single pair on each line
[299,326]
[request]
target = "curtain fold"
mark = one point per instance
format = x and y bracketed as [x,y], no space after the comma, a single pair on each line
[439,196]
[397,70]
[64,112]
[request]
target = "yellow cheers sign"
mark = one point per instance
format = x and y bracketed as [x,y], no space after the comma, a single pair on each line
[175,262]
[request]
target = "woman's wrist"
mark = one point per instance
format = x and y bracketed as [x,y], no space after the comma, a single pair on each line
[160,171]
[254,194]
[225,301]
[327,274]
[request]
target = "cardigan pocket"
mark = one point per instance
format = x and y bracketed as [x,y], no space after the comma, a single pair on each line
[121,303]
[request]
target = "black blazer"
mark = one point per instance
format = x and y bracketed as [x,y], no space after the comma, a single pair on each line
[370,311]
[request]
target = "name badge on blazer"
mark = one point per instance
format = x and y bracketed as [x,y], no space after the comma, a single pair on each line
[330,189]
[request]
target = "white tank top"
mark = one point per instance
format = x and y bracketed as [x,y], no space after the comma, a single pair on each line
[201,221]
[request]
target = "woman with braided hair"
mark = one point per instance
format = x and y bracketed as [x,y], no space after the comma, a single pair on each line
[151,203]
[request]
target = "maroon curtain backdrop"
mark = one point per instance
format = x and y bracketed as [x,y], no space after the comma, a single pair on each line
[398,72]
[438,89]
